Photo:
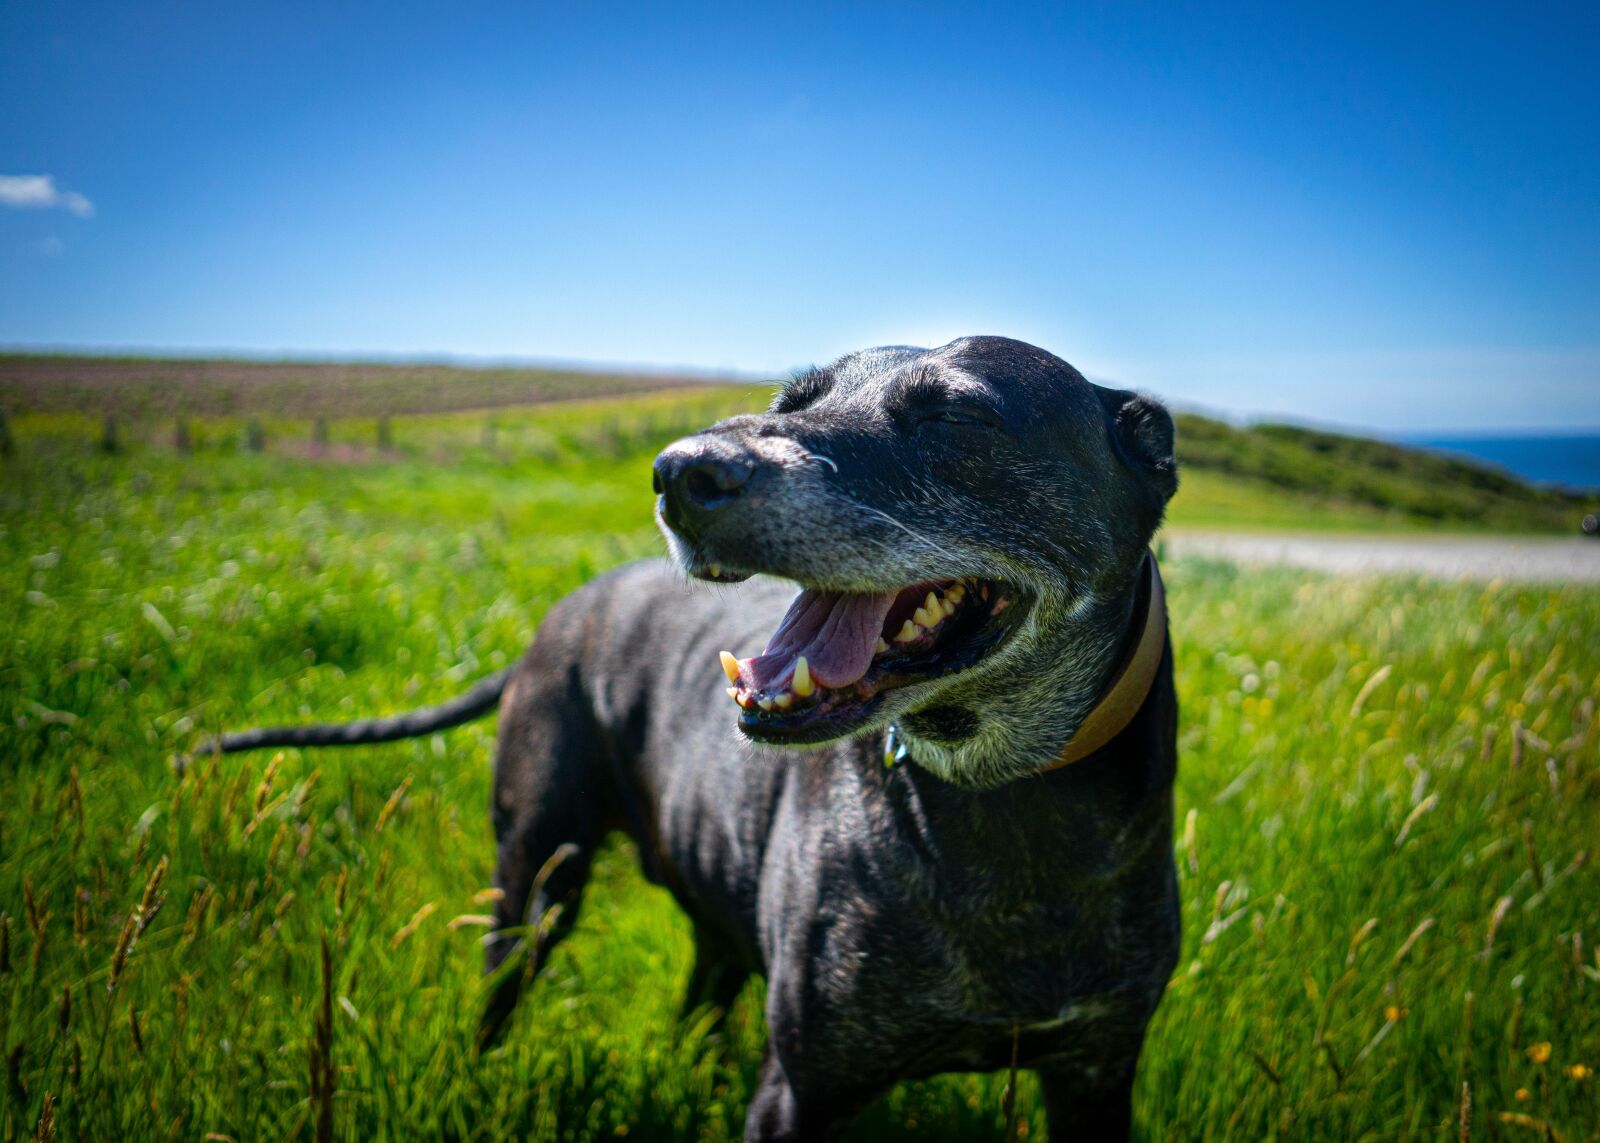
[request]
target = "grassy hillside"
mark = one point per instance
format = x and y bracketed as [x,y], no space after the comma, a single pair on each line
[1389,483]
[1386,820]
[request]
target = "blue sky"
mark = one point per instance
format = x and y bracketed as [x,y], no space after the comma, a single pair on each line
[1385,216]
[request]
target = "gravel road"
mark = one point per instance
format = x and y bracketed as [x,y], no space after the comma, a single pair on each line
[1575,559]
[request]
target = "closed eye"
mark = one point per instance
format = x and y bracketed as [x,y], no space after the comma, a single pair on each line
[969,416]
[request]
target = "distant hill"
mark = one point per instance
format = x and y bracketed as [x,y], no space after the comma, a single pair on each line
[1368,480]
[1567,460]
[154,387]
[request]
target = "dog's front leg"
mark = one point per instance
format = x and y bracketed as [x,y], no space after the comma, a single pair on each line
[1087,1104]
[784,1111]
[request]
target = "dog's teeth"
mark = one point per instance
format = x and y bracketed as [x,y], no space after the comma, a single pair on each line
[730,665]
[931,604]
[733,693]
[956,593]
[744,700]
[949,609]
[926,618]
[765,703]
[802,678]
[880,646]
[908,632]
[783,700]
[714,571]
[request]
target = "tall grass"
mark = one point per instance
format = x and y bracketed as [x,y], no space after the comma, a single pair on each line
[1388,812]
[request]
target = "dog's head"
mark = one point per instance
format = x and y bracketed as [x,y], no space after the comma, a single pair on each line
[947,513]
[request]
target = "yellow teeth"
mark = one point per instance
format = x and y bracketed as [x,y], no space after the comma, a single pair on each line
[956,593]
[908,632]
[925,618]
[879,647]
[949,609]
[803,686]
[715,571]
[931,604]
[730,666]
[802,678]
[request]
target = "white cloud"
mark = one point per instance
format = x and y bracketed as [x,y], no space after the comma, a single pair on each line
[41,193]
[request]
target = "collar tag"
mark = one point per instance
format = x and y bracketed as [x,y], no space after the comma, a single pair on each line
[893,749]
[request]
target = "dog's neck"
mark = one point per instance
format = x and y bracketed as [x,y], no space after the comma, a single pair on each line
[1023,717]
[1129,685]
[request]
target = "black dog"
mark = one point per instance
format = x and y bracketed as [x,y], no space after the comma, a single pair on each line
[928,887]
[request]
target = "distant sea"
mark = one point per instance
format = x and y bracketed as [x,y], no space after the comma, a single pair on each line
[1569,461]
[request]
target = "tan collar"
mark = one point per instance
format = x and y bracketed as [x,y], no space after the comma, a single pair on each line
[1130,684]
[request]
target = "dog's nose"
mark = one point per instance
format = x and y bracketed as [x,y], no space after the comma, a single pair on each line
[699,481]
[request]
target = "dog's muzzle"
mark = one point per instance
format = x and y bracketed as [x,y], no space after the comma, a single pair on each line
[698,477]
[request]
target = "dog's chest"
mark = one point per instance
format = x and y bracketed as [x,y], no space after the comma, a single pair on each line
[996,927]
[1034,965]
[1025,978]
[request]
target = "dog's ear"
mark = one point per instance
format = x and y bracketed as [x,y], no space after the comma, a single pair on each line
[1142,432]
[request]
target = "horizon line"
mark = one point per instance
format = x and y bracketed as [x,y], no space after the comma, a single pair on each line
[683,370]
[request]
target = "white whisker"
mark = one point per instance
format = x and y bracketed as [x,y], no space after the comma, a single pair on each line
[923,540]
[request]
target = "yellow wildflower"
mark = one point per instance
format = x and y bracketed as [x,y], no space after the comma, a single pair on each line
[1580,1071]
[1540,1052]
[1522,1095]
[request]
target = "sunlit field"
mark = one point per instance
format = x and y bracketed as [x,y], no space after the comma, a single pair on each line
[1387,815]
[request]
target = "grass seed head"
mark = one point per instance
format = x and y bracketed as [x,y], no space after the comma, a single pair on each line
[1416,935]
[1496,918]
[37,916]
[393,804]
[119,955]
[46,1130]
[410,926]
[264,790]
[138,920]
[1358,939]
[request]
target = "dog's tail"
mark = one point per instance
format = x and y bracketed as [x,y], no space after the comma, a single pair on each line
[464,708]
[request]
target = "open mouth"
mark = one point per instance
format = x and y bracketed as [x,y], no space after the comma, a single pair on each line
[836,654]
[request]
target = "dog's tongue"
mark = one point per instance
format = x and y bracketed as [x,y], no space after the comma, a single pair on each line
[835,631]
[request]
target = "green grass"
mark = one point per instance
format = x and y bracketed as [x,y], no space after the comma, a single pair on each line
[1360,759]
